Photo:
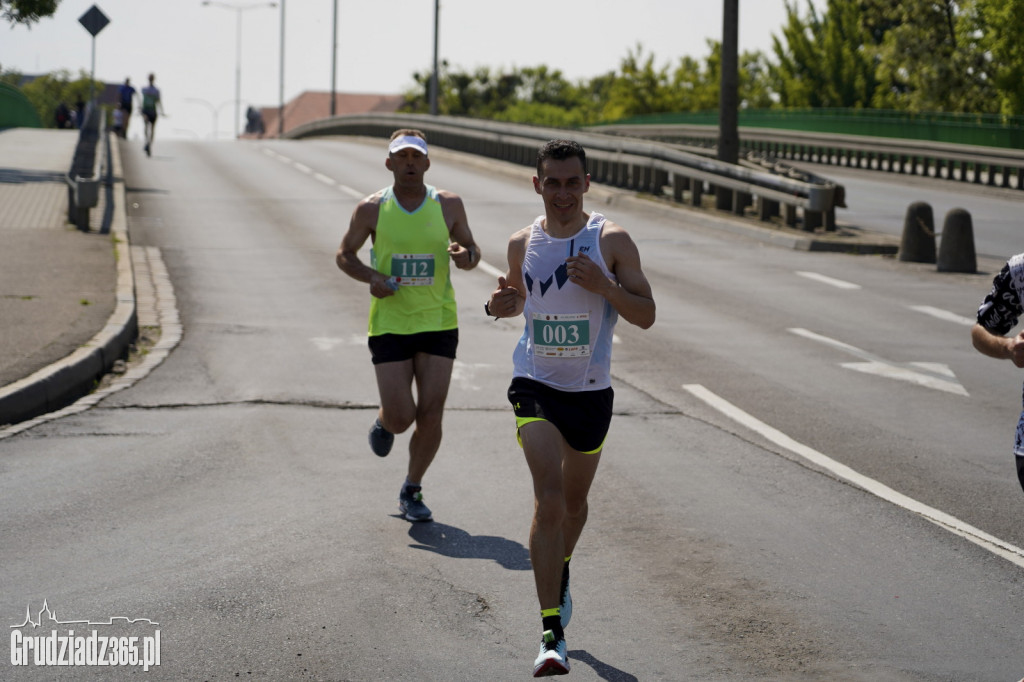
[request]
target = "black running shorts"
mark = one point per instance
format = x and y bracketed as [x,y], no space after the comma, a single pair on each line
[582,417]
[398,347]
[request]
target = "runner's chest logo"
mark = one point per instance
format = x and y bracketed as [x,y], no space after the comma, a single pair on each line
[559,278]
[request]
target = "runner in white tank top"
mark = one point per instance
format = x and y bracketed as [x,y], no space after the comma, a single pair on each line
[572,275]
[567,343]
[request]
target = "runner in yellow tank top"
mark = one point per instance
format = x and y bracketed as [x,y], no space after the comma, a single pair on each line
[413,331]
[412,247]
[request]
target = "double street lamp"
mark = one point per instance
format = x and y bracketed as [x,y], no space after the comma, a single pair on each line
[238,9]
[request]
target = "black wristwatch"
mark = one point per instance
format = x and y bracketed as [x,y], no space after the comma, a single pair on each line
[487,309]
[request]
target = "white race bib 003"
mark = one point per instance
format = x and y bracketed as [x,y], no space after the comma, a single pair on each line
[561,336]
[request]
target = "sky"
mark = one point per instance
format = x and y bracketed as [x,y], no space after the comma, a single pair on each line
[192,49]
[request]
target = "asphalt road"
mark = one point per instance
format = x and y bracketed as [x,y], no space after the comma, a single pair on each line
[808,475]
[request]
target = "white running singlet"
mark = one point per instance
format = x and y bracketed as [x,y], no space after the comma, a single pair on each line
[567,343]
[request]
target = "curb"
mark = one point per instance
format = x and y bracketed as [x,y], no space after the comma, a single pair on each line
[67,380]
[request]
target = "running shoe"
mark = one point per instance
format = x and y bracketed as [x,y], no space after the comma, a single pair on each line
[553,659]
[565,604]
[381,439]
[410,503]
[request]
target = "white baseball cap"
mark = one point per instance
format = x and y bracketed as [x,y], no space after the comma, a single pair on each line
[408,142]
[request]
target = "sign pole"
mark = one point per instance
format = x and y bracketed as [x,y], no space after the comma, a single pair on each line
[94,20]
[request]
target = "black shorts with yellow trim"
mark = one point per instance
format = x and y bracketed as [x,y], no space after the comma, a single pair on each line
[582,417]
[399,347]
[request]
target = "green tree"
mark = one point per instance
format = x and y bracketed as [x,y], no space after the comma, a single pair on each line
[10,77]
[27,11]
[996,24]
[641,88]
[824,60]
[47,92]
[697,84]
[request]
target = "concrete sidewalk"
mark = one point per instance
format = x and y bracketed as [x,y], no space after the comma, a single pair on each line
[67,302]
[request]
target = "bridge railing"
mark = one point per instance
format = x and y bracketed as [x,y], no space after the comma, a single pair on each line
[636,164]
[85,175]
[991,166]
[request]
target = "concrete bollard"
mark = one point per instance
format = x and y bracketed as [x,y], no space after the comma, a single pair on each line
[956,248]
[918,244]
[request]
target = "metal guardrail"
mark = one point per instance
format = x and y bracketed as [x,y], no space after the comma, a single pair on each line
[635,164]
[85,175]
[991,166]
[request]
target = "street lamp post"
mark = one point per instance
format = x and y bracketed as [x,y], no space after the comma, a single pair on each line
[334,60]
[214,111]
[280,89]
[238,9]
[434,77]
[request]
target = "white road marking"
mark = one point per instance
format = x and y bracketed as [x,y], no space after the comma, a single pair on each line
[954,525]
[944,315]
[328,343]
[354,193]
[838,283]
[927,374]
[490,269]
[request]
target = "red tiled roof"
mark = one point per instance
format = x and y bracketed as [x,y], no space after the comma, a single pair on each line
[310,106]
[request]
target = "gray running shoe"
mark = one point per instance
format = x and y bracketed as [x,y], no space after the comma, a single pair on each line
[553,658]
[565,605]
[381,439]
[410,503]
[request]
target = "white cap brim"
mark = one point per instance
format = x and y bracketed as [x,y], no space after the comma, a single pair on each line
[408,142]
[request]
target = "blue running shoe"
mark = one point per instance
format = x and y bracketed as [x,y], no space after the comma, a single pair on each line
[381,439]
[410,503]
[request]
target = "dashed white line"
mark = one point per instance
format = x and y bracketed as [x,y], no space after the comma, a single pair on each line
[327,180]
[954,525]
[490,269]
[354,193]
[831,281]
[944,315]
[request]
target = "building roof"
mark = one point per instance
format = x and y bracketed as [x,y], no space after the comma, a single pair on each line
[312,105]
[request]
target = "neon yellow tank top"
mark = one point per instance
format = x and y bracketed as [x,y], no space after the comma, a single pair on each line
[413,247]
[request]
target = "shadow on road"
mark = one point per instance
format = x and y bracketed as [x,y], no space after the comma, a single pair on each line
[18,176]
[454,542]
[605,671]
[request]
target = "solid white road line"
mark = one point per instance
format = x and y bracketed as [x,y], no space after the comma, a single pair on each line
[952,524]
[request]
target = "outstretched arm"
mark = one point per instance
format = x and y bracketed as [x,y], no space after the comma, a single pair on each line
[509,298]
[999,347]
